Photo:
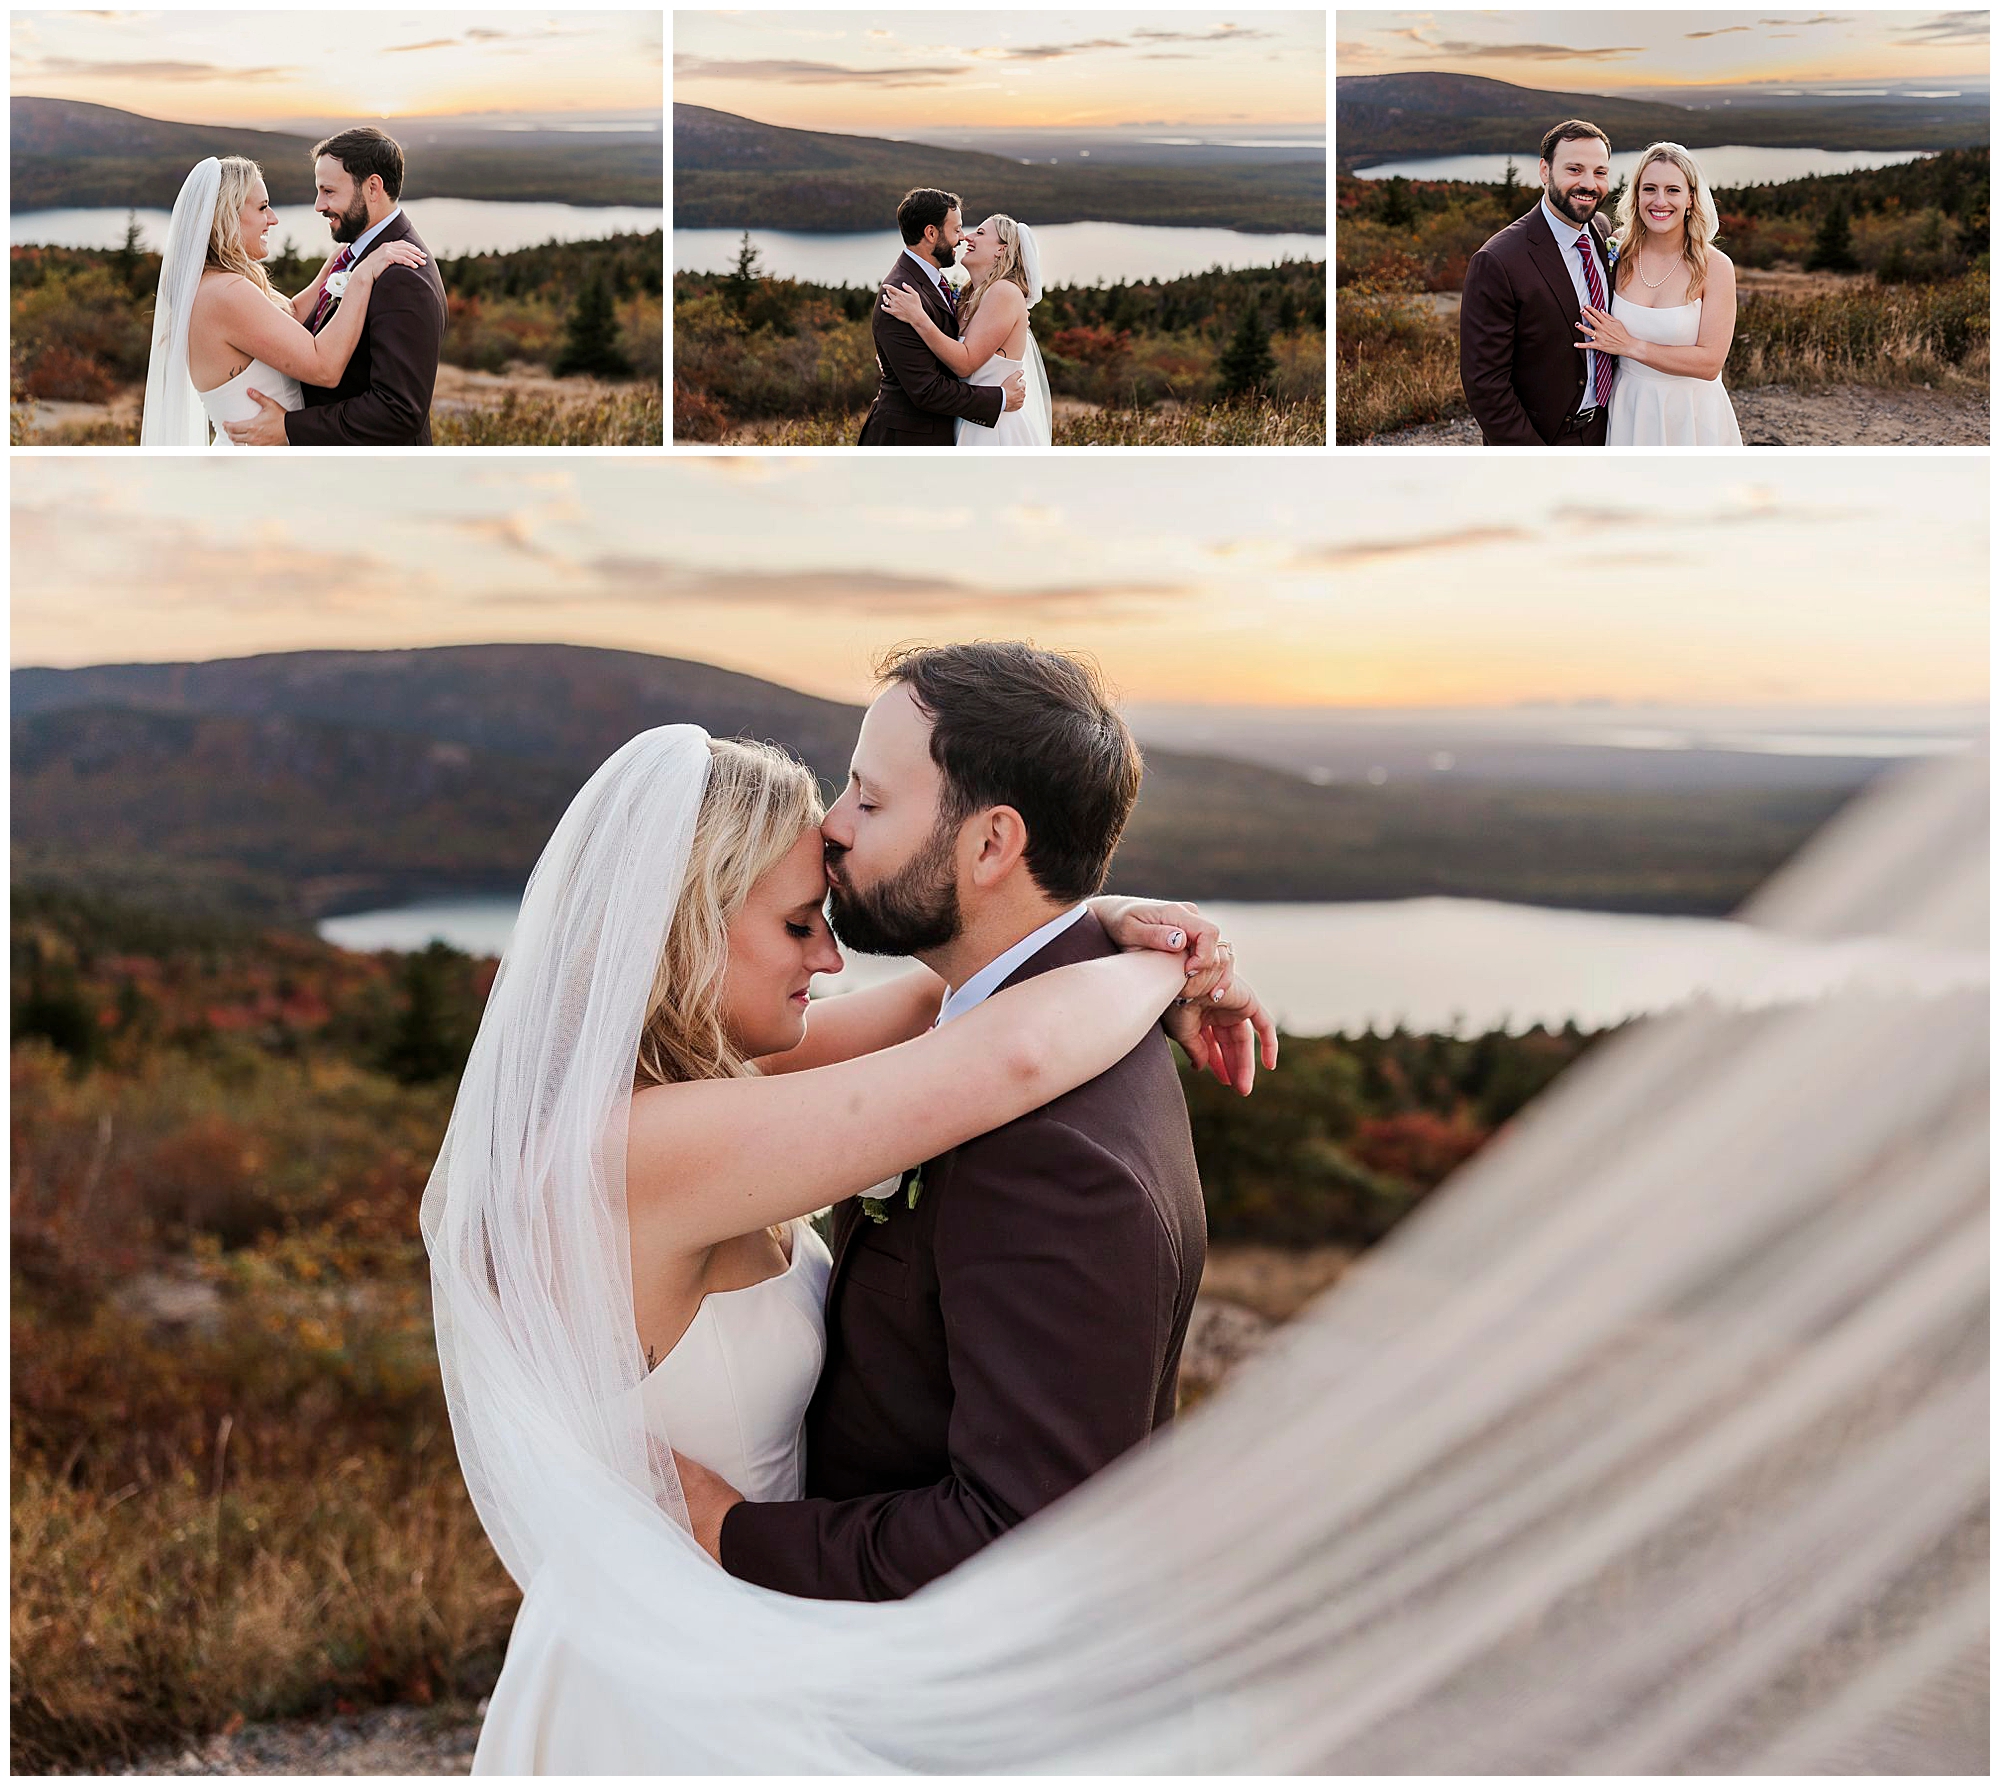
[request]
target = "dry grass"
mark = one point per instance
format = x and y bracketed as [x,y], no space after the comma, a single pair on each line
[1398,359]
[1170,425]
[1275,1282]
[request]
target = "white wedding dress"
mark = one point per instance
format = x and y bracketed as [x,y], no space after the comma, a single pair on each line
[1650,408]
[1029,426]
[231,402]
[737,1383]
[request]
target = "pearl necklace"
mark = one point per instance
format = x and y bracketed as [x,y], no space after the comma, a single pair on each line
[1639,267]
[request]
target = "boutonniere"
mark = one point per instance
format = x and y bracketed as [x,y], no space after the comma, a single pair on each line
[956,276]
[1611,253]
[876,1209]
[336,283]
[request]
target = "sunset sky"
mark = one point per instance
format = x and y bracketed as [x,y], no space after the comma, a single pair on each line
[271,68]
[1288,581]
[893,72]
[1609,50]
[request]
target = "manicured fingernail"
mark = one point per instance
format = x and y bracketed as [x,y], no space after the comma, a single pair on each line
[1177,939]
[1216,994]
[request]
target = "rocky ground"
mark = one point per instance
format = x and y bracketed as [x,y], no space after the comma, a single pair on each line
[1246,1292]
[1784,415]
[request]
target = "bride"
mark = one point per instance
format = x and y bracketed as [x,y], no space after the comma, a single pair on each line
[1673,311]
[221,331]
[621,1263]
[994,337]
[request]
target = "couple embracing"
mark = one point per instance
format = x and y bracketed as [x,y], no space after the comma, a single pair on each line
[1573,334]
[351,360]
[959,367]
[695,1434]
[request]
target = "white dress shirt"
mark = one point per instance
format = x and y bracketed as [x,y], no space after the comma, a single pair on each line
[960,999]
[936,275]
[1566,234]
[361,242]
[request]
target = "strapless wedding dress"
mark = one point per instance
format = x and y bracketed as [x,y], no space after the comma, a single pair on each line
[231,402]
[1028,426]
[1650,408]
[732,1394]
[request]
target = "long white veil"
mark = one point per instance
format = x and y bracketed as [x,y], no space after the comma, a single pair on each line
[1655,1442]
[1041,401]
[173,416]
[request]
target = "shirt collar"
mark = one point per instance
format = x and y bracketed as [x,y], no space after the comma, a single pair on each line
[1566,231]
[982,985]
[368,235]
[936,273]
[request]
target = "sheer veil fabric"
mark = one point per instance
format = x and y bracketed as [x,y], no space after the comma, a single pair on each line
[173,416]
[1037,368]
[1654,1443]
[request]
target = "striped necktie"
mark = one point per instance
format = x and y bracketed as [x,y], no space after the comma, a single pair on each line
[341,262]
[1600,392]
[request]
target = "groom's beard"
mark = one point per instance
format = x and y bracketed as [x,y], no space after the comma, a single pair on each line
[351,223]
[910,911]
[1578,215]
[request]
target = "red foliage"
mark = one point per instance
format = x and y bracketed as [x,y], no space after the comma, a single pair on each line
[1418,1147]
[1092,344]
[62,375]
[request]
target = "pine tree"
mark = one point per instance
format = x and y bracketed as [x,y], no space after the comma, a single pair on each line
[592,344]
[1833,247]
[128,253]
[1510,188]
[1246,365]
[1397,211]
[740,284]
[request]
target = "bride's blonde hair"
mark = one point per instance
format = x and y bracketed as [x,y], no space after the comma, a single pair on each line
[1698,227]
[226,252]
[758,802]
[1006,265]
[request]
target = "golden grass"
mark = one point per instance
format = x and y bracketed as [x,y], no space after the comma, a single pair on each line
[1397,365]
[1209,424]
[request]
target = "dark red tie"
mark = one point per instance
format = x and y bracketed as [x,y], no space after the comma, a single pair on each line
[950,297]
[341,262]
[1601,391]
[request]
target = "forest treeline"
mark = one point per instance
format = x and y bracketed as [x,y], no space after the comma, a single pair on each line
[751,348]
[235,1493]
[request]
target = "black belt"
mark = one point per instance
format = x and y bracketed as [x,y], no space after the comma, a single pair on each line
[1575,424]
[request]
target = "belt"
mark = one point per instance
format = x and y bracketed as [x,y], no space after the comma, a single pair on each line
[1575,424]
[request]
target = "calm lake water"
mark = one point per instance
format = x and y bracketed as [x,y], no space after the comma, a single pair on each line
[1072,253]
[451,226]
[1435,965]
[1730,165]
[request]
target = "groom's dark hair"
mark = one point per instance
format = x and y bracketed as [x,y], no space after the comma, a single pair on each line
[1568,128]
[1034,730]
[364,151]
[922,208]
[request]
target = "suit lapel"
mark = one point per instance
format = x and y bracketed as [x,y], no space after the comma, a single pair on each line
[397,228]
[926,289]
[1549,262]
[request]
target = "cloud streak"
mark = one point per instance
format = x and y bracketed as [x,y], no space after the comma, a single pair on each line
[802,73]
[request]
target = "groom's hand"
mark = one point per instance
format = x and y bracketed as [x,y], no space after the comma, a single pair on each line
[709,1499]
[267,430]
[1015,384]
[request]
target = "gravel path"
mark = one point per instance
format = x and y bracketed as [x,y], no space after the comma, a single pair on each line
[1783,415]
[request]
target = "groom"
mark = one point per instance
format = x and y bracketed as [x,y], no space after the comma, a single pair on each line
[1518,351]
[384,397]
[918,400]
[1009,1320]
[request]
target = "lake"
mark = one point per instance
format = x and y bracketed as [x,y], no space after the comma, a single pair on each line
[450,226]
[1072,253]
[1434,965]
[1730,165]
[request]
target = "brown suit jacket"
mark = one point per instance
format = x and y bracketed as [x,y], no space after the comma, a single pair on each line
[384,396]
[918,401]
[1517,339]
[998,1344]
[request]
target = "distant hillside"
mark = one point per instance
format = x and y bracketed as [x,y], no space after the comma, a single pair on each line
[68,154]
[293,785]
[734,173]
[1378,117]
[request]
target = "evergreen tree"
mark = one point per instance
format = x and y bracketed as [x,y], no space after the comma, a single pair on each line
[1833,247]
[592,344]
[430,1039]
[1510,188]
[128,253]
[1397,211]
[1288,312]
[740,284]
[1246,365]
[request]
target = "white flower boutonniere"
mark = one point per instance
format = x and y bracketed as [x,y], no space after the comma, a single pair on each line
[336,283]
[956,276]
